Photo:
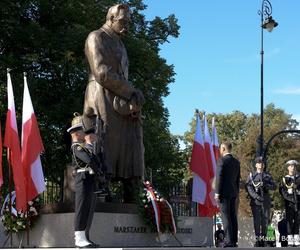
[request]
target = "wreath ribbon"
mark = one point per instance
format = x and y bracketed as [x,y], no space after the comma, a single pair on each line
[172,217]
[157,209]
[155,205]
[6,201]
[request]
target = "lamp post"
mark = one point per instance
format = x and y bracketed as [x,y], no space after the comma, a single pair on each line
[267,23]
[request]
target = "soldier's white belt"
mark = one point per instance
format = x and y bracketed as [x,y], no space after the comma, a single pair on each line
[88,169]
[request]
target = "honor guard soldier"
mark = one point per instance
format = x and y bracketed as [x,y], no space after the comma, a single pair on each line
[85,168]
[258,185]
[290,191]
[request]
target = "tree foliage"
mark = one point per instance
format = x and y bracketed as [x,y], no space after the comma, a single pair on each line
[46,39]
[243,130]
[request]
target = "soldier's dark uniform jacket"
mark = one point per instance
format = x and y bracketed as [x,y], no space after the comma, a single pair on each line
[258,186]
[84,158]
[290,191]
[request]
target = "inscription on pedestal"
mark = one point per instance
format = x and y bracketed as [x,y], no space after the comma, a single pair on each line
[119,229]
[145,230]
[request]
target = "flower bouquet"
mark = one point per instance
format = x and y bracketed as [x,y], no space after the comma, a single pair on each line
[14,220]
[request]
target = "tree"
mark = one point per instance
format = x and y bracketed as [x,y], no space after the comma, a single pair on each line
[46,39]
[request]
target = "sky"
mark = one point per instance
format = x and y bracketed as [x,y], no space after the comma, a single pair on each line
[217,57]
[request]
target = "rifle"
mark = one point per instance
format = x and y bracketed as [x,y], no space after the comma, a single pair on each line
[93,124]
[98,145]
[295,195]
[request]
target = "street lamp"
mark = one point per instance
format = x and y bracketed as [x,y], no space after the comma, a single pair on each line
[268,23]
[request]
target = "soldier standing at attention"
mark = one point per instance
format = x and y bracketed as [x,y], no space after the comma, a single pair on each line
[85,167]
[290,191]
[258,185]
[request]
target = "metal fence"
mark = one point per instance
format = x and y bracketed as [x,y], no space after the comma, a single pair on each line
[179,196]
[54,192]
[181,200]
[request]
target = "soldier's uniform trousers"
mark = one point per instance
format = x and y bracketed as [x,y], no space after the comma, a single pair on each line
[292,217]
[85,200]
[261,215]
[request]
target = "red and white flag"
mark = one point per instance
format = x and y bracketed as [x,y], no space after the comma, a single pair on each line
[215,140]
[12,143]
[211,160]
[1,172]
[212,165]
[32,146]
[199,167]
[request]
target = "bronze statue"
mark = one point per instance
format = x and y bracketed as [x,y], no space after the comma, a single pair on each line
[114,100]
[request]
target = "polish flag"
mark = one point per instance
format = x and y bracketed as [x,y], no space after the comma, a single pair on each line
[12,143]
[215,140]
[212,165]
[199,167]
[1,173]
[211,160]
[32,146]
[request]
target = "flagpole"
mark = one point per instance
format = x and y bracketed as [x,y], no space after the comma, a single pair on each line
[197,206]
[9,193]
[9,185]
[215,227]
[27,207]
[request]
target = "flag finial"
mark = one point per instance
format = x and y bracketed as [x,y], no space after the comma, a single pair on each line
[197,111]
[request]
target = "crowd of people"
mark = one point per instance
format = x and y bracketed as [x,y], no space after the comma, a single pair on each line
[258,185]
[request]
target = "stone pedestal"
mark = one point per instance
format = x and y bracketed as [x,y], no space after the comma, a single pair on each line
[118,230]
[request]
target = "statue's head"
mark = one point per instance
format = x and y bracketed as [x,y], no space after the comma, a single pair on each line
[118,18]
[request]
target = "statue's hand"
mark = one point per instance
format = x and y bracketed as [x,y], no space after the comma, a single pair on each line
[134,108]
[137,98]
[129,107]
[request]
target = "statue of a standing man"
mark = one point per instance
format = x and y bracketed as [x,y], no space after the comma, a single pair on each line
[113,99]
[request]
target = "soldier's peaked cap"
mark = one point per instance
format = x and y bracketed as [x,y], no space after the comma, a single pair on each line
[76,123]
[259,159]
[292,162]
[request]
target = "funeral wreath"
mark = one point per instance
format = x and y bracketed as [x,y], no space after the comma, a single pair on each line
[156,211]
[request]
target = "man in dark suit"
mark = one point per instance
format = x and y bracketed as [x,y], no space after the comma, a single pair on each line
[227,192]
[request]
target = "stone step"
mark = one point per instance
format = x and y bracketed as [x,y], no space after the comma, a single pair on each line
[168,248]
[202,248]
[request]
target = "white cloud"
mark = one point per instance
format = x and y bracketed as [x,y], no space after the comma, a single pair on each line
[288,91]
[273,52]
